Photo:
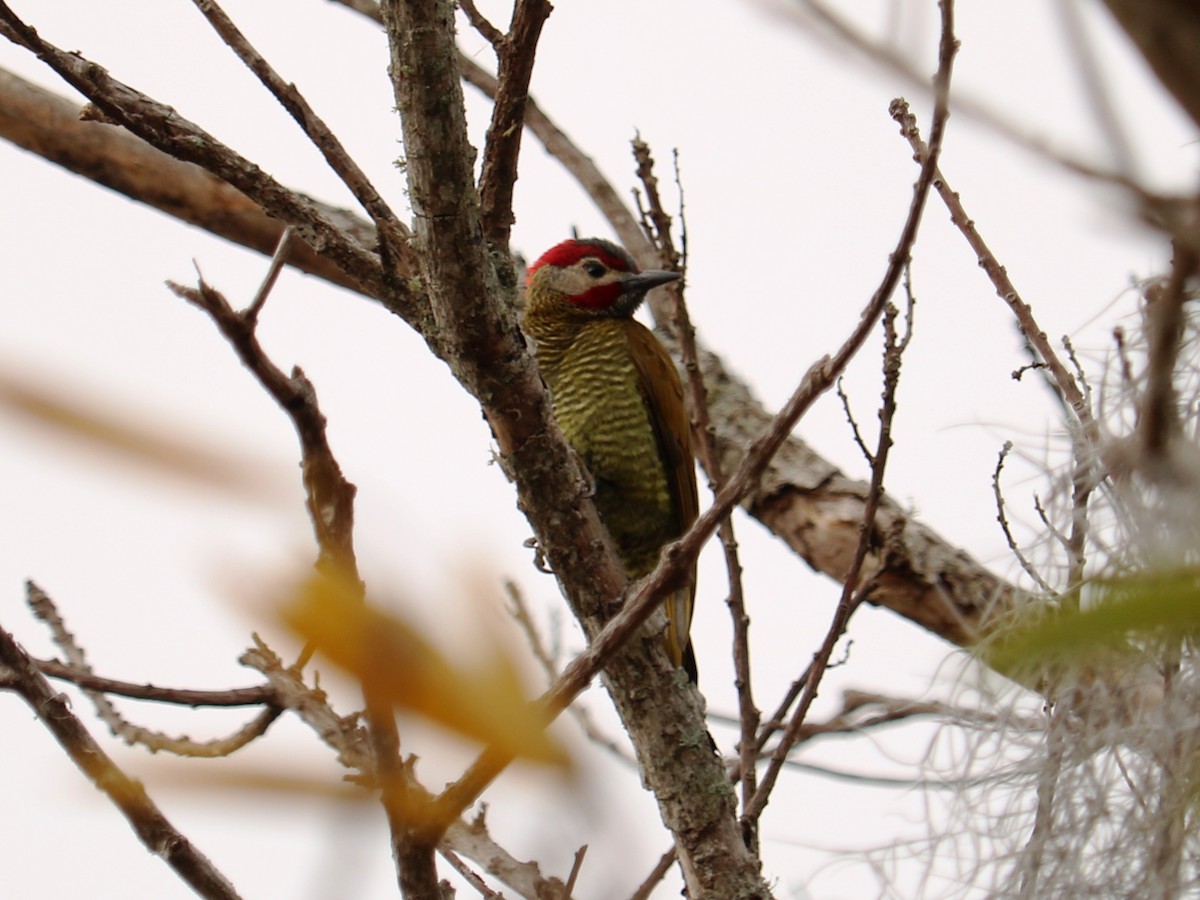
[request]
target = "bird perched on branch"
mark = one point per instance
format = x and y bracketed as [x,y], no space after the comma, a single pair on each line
[619,401]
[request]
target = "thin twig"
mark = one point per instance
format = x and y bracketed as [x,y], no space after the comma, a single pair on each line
[651,881]
[657,224]
[247,696]
[278,260]
[1002,518]
[329,496]
[45,610]
[482,24]
[851,597]
[576,868]
[520,613]
[855,432]
[1063,381]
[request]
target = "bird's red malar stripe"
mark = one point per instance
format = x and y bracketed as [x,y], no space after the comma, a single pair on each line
[600,297]
[570,252]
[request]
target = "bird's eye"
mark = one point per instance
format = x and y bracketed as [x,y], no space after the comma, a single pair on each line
[594,269]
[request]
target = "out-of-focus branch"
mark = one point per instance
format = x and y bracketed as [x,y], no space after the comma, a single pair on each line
[52,127]
[1159,418]
[329,497]
[162,127]
[353,748]
[19,674]
[1167,34]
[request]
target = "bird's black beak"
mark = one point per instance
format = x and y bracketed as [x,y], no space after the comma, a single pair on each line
[637,283]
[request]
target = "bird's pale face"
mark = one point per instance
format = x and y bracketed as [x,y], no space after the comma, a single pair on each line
[588,276]
[587,284]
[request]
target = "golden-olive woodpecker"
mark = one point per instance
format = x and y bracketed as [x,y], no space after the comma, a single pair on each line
[619,402]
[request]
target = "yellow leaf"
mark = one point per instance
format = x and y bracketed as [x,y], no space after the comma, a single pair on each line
[397,665]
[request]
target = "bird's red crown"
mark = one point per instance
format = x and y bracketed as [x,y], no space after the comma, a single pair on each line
[572,251]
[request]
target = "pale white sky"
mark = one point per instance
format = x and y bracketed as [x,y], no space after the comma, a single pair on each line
[797,183]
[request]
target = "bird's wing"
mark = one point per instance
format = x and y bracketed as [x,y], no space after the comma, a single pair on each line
[660,385]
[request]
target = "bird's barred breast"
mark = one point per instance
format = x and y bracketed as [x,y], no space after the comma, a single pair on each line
[604,416]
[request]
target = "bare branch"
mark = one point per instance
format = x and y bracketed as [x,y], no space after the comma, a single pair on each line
[391,232]
[851,595]
[19,674]
[516,52]
[45,610]
[44,123]
[165,129]
[660,870]
[1003,520]
[249,696]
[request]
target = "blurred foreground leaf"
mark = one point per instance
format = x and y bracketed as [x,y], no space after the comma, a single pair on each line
[397,665]
[1118,611]
[90,426]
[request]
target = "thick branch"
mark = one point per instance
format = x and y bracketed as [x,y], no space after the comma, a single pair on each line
[52,127]
[1167,33]
[488,355]
[164,128]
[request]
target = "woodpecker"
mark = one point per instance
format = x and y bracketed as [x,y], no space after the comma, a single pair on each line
[619,402]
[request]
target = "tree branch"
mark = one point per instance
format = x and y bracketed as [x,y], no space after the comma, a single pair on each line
[515,52]
[52,127]
[392,235]
[488,355]
[19,674]
[165,129]
[1167,33]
